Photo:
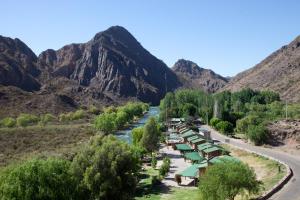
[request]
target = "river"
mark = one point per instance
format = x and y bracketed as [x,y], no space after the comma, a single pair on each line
[126,134]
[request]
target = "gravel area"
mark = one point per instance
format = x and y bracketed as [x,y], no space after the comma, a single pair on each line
[177,165]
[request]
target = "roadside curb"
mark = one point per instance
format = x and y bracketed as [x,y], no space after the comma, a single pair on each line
[280,184]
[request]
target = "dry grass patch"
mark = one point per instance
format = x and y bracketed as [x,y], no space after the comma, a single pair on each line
[268,171]
[20,143]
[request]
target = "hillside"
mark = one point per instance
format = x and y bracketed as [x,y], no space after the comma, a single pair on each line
[279,72]
[111,68]
[113,63]
[193,76]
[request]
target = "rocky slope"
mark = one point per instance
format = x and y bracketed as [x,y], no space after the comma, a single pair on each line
[193,76]
[113,63]
[279,72]
[18,65]
[111,68]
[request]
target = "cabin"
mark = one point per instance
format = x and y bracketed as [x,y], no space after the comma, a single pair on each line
[183,148]
[187,134]
[196,142]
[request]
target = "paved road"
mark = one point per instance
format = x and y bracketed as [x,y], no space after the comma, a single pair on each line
[291,191]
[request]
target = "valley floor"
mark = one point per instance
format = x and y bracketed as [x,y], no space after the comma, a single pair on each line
[17,144]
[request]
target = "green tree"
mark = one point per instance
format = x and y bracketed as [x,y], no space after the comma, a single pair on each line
[106,122]
[228,179]
[107,169]
[257,134]
[137,134]
[38,179]
[121,119]
[214,121]
[225,127]
[151,136]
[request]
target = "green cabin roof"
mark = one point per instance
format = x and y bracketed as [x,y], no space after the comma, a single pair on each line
[183,147]
[194,156]
[197,140]
[193,170]
[192,138]
[212,149]
[203,146]
[188,134]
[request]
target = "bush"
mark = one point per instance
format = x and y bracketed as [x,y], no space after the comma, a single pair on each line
[165,167]
[26,120]
[47,118]
[8,122]
[78,114]
[94,110]
[106,122]
[153,161]
[257,134]
[106,169]
[214,121]
[38,179]
[224,127]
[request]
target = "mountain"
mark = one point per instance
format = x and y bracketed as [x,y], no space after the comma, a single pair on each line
[113,63]
[18,65]
[279,72]
[111,68]
[193,76]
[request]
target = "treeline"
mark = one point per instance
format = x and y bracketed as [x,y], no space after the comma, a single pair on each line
[25,119]
[246,112]
[106,168]
[115,118]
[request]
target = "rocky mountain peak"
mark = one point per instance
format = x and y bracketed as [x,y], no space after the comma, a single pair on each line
[193,76]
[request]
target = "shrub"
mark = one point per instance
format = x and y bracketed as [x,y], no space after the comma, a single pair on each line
[8,122]
[257,134]
[106,169]
[153,161]
[94,110]
[47,118]
[165,167]
[26,120]
[63,117]
[79,114]
[106,122]
[38,179]
[214,121]
[224,127]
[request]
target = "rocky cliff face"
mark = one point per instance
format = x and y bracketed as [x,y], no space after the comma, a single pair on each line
[193,76]
[113,63]
[279,72]
[18,65]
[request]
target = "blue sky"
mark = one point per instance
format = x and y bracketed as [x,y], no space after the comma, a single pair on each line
[225,36]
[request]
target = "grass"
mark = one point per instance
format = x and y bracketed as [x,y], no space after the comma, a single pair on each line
[268,171]
[17,144]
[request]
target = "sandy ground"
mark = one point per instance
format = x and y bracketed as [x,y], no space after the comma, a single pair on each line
[177,165]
